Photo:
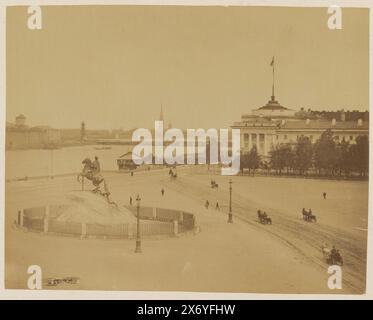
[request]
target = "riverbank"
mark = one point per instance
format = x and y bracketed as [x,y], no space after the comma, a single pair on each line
[58,162]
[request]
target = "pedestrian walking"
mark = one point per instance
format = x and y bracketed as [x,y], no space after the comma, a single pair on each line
[130,201]
[217,207]
[324,195]
[162,192]
[207,204]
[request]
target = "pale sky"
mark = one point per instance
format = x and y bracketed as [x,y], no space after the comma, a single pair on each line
[111,66]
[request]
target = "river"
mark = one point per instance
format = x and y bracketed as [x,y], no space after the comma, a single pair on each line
[41,162]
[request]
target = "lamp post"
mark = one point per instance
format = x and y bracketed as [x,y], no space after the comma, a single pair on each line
[138,239]
[51,173]
[230,202]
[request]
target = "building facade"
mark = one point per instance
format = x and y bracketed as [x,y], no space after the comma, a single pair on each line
[274,124]
[20,136]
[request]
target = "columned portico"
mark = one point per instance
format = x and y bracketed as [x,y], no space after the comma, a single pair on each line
[259,128]
[273,123]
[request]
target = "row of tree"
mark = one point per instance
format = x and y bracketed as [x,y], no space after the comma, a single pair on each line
[325,157]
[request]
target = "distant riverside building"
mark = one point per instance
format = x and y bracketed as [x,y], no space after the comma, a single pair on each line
[274,124]
[20,120]
[125,162]
[20,136]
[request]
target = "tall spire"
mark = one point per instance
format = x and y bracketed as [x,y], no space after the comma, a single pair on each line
[161,114]
[273,78]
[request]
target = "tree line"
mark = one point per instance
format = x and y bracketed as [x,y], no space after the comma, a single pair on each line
[327,157]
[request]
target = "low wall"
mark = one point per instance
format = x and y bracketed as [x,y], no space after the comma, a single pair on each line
[154,222]
[63,227]
[161,214]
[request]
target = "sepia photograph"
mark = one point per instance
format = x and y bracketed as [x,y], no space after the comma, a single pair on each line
[187,148]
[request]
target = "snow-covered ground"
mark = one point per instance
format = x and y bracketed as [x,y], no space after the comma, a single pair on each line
[88,207]
[244,256]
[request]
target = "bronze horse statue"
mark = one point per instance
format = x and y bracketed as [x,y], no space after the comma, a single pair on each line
[97,179]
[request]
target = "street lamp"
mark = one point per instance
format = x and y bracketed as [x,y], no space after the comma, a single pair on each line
[230,202]
[51,173]
[138,239]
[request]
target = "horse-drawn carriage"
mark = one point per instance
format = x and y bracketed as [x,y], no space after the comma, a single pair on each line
[332,256]
[263,218]
[172,174]
[308,216]
[214,184]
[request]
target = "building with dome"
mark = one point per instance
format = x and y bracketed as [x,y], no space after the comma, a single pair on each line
[20,136]
[274,110]
[20,120]
[274,124]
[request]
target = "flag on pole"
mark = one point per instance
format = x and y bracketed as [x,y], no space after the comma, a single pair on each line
[272,62]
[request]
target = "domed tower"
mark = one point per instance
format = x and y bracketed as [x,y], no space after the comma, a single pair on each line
[20,120]
[161,118]
[273,109]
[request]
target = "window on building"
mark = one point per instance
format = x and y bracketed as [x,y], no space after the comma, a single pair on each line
[246,140]
[311,138]
[351,138]
[253,139]
[261,142]
[285,137]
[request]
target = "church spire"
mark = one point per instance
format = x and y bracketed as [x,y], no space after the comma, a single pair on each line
[161,114]
[273,78]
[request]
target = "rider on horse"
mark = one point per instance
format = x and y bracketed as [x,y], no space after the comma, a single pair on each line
[96,165]
[92,172]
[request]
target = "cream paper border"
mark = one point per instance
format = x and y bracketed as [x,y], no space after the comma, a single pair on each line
[134,295]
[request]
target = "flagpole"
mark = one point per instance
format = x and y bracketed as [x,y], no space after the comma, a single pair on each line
[273,79]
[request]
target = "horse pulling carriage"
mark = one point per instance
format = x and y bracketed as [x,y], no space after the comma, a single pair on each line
[214,184]
[172,174]
[263,218]
[308,216]
[332,256]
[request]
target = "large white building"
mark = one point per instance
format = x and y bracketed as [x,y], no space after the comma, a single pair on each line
[274,124]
